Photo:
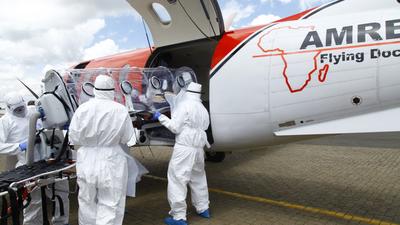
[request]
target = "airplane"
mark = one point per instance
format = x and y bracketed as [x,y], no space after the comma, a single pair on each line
[333,69]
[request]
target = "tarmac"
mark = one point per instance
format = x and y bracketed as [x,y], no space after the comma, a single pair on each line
[352,179]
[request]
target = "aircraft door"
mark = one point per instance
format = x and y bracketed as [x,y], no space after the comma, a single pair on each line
[178,21]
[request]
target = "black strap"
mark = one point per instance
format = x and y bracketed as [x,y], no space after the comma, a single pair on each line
[66,107]
[61,203]
[4,211]
[44,206]
[68,94]
[63,147]
[105,89]
[28,201]
[20,198]
[52,139]
[196,92]
[53,197]
[14,207]
[54,200]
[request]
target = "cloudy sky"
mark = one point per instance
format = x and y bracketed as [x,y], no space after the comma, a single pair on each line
[39,35]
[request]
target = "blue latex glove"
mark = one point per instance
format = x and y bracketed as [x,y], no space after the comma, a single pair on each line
[41,111]
[23,146]
[156,115]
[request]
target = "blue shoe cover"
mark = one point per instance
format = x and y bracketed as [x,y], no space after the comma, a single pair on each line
[171,221]
[205,214]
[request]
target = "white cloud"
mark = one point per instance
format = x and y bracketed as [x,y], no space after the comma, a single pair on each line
[23,58]
[242,11]
[35,35]
[282,1]
[272,2]
[51,45]
[264,19]
[103,48]
[19,18]
[307,4]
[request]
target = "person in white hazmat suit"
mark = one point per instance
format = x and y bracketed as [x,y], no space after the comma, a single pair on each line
[106,174]
[14,128]
[13,141]
[189,121]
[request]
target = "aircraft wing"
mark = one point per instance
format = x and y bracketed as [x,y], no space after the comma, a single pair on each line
[375,122]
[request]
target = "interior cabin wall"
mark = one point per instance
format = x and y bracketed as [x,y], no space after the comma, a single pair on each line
[196,55]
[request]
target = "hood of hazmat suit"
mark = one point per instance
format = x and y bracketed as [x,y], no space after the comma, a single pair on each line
[14,127]
[186,167]
[184,76]
[104,87]
[16,105]
[101,126]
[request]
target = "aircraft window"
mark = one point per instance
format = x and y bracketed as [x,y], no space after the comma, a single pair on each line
[162,13]
[155,82]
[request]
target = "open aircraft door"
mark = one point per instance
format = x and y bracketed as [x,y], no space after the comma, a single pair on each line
[178,21]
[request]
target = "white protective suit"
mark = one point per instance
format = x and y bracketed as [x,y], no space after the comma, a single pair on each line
[14,130]
[189,121]
[106,174]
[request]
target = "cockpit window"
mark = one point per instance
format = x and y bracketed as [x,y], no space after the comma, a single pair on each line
[161,13]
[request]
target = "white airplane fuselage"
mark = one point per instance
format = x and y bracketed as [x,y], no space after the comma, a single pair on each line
[329,70]
[307,71]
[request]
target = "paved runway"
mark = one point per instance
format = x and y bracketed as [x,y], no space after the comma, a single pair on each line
[334,180]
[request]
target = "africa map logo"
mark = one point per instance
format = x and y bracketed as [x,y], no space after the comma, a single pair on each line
[322,72]
[340,47]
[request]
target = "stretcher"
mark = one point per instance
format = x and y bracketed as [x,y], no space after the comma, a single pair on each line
[16,184]
[48,154]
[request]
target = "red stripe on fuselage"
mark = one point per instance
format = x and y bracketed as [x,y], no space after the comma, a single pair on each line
[135,58]
[231,39]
